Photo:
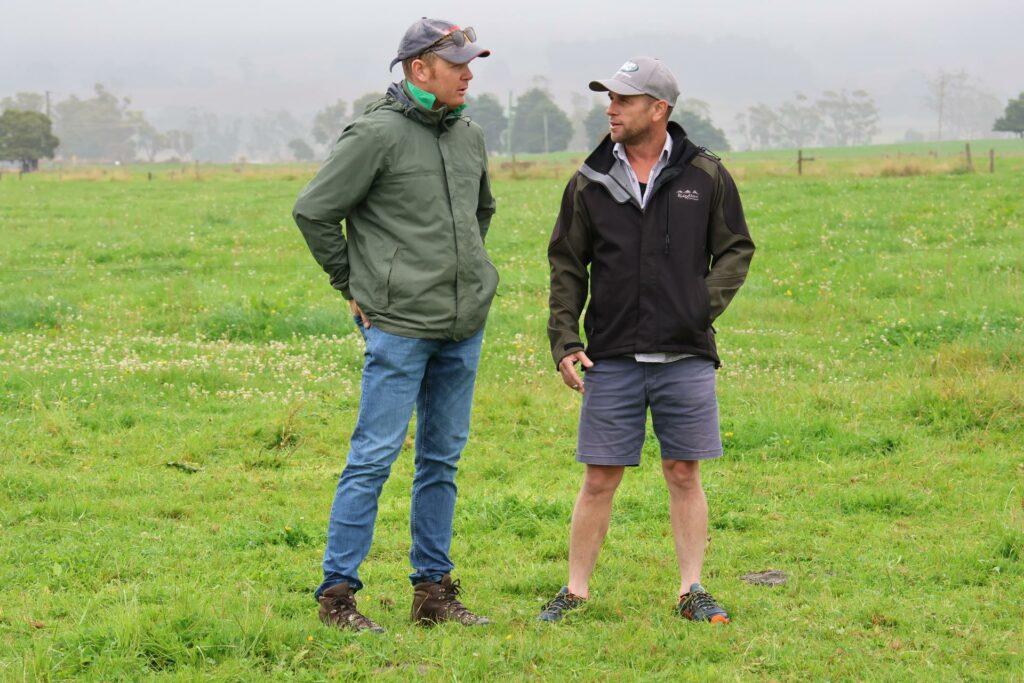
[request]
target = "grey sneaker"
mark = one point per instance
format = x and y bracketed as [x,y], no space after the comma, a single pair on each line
[698,605]
[556,608]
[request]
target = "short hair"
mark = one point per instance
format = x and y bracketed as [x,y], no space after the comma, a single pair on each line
[427,58]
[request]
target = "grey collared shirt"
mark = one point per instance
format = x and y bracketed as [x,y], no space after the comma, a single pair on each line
[620,155]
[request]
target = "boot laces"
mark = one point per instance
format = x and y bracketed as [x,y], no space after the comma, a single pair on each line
[450,594]
[561,602]
[345,606]
[703,601]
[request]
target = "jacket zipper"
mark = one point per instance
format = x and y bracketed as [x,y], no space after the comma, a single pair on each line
[455,230]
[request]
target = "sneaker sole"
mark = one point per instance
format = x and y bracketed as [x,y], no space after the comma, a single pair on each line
[715,618]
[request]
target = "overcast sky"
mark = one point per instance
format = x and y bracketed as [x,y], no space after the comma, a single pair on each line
[240,57]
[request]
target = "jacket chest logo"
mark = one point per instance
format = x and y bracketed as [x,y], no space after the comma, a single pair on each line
[692,195]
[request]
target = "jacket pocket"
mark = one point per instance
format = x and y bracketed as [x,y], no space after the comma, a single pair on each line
[494,275]
[478,296]
[388,281]
[705,302]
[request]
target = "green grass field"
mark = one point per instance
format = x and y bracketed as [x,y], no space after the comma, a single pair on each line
[178,383]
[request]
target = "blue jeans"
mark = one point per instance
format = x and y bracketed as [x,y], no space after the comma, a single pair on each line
[437,377]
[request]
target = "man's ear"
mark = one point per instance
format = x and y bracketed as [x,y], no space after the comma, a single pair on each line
[661,107]
[421,70]
[416,69]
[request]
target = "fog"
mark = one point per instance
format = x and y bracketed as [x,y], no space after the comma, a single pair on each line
[241,58]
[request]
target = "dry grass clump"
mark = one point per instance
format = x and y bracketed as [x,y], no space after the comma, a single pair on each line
[891,169]
[93,173]
[533,170]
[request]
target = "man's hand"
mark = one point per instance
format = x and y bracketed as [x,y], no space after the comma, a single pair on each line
[567,366]
[354,307]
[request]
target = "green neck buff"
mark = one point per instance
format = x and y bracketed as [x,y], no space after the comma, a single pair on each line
[427,99]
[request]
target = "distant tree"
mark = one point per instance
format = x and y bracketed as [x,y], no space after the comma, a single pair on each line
[1012,121]
[695,118]
[269,134]
[701,130]
[579,107]
[849,118]
[940,90]
[24,101]
[362,102]
[761,126]
[25,137]
[329,122]
[797,122]
[533,109]
[695,106]
[148,139]
[181,141]
[541,82]
[488,113]
[100,127]
[742,125]
[963,105]
[301,150]
[214,139]
[596,124]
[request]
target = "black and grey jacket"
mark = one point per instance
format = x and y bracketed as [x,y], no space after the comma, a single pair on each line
[657,276]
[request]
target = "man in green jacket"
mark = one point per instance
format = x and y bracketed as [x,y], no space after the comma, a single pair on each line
[409,178]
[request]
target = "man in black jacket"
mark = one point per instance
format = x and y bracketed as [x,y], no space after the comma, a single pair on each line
[658,222]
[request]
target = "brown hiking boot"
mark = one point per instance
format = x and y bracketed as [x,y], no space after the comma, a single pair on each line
[434,602]
[338,608]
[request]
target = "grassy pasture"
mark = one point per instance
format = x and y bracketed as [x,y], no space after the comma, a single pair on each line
[178,382]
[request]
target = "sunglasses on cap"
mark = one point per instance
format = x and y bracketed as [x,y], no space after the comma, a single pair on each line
[457,36]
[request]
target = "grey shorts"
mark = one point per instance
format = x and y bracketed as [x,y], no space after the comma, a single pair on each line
[684,409]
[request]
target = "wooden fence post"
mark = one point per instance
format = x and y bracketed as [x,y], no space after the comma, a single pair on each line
[800,159]
[967,154]
[991,161]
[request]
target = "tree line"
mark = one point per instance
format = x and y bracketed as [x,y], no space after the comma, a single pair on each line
[534,123]
[104,127]
[963,106]
[836,118]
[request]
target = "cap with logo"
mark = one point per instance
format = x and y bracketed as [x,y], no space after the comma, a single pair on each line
[641,76]
[437,35]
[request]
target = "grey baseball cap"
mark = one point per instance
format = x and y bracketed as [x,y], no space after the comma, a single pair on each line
[641,76]
[426,32]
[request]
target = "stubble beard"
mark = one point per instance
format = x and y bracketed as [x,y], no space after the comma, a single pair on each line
[631,137]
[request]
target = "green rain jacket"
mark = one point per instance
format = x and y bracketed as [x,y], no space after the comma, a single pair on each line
[411,184]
